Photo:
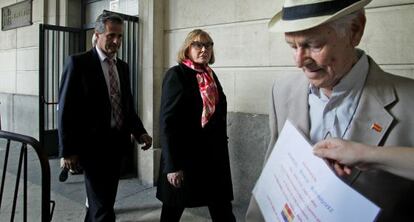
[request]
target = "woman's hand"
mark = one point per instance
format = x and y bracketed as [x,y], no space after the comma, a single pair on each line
[343,154]
[175,178]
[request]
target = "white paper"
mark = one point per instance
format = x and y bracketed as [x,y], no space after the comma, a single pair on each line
[295,185]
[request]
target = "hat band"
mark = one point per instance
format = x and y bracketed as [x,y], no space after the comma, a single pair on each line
[315,10]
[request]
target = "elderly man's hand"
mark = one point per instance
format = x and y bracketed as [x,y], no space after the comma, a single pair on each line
[70,162]
[175,178]
[146,140]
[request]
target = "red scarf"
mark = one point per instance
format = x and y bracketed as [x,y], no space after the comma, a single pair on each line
[207,87]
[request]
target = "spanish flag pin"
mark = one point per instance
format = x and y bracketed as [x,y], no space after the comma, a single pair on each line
[377,127]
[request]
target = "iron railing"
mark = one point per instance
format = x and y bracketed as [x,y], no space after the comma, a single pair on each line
[24,143]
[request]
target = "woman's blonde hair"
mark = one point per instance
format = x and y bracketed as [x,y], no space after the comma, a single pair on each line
[193,35]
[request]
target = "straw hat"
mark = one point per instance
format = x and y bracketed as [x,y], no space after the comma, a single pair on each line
[298,15]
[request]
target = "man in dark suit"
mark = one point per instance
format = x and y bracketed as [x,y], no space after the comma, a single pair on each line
[97,117]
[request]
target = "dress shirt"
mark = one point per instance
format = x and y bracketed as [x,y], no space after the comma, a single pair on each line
[330,117]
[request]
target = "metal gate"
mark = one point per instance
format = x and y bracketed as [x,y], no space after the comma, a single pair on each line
[129,50]
[56,44]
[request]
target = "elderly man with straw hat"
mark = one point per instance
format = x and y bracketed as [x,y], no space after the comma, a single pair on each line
[342,93]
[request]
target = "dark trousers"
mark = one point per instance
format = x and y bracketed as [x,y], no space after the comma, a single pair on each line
[101,192]
[221,212]
[102,172]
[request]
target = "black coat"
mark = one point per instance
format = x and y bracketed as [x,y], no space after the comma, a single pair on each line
[201,153]
[84,113]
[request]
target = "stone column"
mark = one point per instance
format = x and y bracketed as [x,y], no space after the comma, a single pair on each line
[151,72]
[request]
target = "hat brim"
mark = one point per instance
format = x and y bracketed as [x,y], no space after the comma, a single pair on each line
[277,24]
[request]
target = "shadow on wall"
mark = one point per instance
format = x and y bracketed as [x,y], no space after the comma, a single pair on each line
[248,140]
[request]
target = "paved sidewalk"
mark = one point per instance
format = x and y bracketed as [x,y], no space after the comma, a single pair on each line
[134,203]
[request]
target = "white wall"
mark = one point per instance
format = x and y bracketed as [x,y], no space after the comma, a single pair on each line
[18,53]
[19,73]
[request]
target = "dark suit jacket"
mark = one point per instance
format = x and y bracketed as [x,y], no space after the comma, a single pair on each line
[201,153]
[84,113]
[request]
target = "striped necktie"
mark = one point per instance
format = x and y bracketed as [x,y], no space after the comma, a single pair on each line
[115,94]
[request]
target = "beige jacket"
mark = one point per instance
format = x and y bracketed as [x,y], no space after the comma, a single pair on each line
[386,100]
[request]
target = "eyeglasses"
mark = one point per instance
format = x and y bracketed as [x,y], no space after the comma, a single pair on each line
[200,45]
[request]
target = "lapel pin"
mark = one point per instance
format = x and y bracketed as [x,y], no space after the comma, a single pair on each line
[377,127]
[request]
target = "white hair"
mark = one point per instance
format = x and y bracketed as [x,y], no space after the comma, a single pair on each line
[343,25]
[94,40]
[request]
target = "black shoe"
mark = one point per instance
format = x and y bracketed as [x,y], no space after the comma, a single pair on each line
[63,176]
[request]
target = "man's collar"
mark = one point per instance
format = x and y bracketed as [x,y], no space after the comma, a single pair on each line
[102,56]
[356,75]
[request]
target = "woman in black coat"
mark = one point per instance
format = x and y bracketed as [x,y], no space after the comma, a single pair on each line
[195,168]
